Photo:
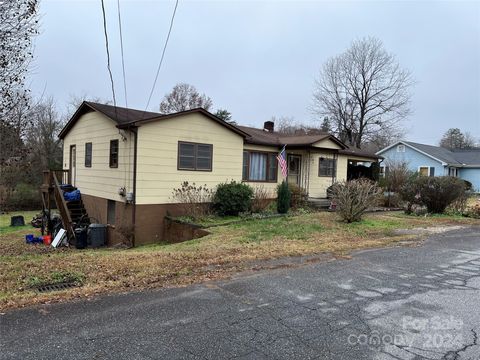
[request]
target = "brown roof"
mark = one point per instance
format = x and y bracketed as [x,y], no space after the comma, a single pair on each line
[359,152]
[131,117]
[262,137]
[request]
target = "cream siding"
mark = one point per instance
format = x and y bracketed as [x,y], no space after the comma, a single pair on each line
[327,144]
[317,186]
[270,187]
[99,179]
[157,173]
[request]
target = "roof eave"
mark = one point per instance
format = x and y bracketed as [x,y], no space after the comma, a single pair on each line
[138,123]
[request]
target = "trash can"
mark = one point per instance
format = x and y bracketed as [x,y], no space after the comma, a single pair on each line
[97,235]
[81,238]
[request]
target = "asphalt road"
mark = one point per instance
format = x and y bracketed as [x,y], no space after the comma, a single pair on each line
[398,303]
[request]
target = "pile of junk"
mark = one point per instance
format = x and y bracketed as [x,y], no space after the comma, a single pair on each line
[87,231]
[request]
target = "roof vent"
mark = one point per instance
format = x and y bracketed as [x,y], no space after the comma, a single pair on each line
[268,126]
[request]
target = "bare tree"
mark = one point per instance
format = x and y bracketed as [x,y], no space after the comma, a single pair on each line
[287,125]
[42,137]
[362,91]
[454,138]
[18,24]
[184,97]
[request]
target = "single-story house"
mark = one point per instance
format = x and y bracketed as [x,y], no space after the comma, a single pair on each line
[127,162]
[432,160]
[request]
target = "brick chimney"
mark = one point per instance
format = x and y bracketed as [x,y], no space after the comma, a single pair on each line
[268,126]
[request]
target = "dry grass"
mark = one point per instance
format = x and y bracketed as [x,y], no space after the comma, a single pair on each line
[227,250]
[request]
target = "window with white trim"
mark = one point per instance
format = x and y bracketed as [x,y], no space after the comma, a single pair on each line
[426,170]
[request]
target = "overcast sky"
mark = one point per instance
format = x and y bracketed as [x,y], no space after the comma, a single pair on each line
[259,59]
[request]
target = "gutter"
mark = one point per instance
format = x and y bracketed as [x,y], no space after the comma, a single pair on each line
[134,130]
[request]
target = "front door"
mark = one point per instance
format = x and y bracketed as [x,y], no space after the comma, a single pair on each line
[73,164]
[294,162]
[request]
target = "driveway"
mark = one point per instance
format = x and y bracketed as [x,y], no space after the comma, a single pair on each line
[397,303]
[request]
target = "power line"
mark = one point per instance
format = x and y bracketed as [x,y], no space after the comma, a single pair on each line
[161,59]
[108,58]
[123,59]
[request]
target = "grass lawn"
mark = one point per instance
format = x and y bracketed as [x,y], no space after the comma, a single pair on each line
[5,221]
[228,249]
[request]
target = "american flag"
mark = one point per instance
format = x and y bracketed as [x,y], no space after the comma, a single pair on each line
[282,161]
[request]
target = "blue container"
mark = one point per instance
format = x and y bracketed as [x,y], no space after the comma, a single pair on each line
[38,240]
[29,238]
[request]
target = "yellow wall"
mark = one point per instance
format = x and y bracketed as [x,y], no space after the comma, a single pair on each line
[99,180]
[326,144]
[317,186]
[157,173]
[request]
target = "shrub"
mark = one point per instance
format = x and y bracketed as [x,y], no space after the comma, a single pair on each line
[261,199]
[435,193]
[283,198]
[23,197]
[396,177]
[459,206]
[232,198]
[474,211]
[468,185]
[193,199]
[298,196]
[409,192]
[354,197]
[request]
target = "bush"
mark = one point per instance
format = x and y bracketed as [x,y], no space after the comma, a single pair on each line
[283,198]
[261,199]
[435,193]
[474,211]
[298,196]
[195,200]
[396,177]
[232,198]
[23,197]
[353,197]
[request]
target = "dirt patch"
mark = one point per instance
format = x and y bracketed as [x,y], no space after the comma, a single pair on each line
[439,229]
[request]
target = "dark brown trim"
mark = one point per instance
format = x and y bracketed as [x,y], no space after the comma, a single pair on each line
[111,163]
[300,167]
[195,155]
[268,153]
[134,204]
[88,164]
[144,118]
[186,112]
[71,175]
[334,173]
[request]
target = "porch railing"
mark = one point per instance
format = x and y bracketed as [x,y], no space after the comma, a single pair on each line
[62,176]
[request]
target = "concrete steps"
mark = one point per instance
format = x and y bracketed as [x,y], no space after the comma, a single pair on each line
[319,203]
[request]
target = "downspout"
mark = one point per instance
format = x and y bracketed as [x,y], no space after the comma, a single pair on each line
[134,180]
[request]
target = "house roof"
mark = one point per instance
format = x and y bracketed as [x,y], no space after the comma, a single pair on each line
[262,137]
[273,138]
[126,118]
[353,151]
[452,158]
[469,157]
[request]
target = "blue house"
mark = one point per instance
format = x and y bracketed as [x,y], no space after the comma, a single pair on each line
[431,160]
